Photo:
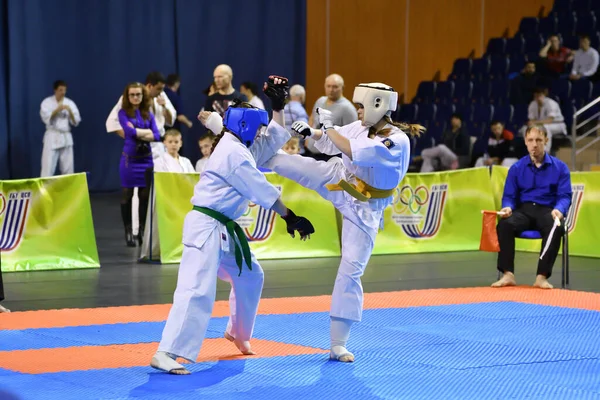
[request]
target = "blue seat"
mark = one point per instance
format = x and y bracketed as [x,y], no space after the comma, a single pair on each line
[407,112]
[465,111]
[483,113]
[503,113]
[425,92]
[426,112]
[582,5]
[595,40]
[596,90]
[436,130]
[461,69]
[562,6]
[517,63]
[532,56]
[498,67]
[562,89]
[529,25]
[462,92]
[499,92]
[586,23]
[515,45]
[481,92]
[476,128]
[444,92]
[480,69]
[547,25]
[519,116]
[568,110]
[581,90]
[496,46]
[570,41]
[566,24]
[444,112]
[425,141]
[533,43]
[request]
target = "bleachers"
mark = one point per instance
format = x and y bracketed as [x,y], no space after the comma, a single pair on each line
[479,88]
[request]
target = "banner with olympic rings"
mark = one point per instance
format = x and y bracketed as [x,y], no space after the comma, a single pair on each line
[582,219]
[436,212]
[265,230]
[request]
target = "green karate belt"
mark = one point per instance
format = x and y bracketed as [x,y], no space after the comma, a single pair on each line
[235,231]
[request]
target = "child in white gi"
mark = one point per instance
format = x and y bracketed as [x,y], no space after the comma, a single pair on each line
[211,237]
[375,158]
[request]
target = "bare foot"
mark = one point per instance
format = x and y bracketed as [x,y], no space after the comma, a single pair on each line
[508,279]
[4,309]
[340,353]
[243,347]
[542,283]
[164,362]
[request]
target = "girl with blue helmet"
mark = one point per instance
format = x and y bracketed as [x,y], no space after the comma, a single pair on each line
[214,245]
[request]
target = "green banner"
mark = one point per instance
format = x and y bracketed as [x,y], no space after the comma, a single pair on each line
[46,223]
[582,219]
[264,229]
[436,212]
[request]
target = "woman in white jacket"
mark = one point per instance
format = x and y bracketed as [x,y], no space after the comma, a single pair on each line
[214,245]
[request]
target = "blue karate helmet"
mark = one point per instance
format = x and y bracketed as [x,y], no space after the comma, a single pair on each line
[245,122]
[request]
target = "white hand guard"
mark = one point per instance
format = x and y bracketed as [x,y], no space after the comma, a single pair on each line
[325,118]
[214,123]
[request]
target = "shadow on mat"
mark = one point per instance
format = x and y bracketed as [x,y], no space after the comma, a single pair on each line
[161,382]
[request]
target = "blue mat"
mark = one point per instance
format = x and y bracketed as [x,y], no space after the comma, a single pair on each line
[479,351]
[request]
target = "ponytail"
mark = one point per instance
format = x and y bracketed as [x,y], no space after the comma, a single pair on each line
[412,129]
[217,140]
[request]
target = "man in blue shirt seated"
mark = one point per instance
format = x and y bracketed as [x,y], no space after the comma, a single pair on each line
[537,190]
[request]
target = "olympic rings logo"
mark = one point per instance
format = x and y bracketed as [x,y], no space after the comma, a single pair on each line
[413,200]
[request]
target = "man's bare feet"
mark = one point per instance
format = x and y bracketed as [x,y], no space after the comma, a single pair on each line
[542,283]
[243,347]
[508,279]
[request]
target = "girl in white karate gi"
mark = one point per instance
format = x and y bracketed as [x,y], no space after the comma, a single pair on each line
[375,158]
[230,179]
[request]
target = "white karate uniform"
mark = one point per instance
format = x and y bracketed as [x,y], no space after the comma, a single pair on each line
[380,166]
[165,163]
[201,164]
[230,179]
[58,140]
[158,148]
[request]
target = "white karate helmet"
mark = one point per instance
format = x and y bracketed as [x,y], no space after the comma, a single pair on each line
[377,99]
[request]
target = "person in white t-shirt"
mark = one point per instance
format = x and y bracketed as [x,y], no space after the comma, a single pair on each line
[205,143]
[585,63]
[249,90]
[545,111]
[170,161]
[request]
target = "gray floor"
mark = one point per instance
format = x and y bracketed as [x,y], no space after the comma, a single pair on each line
[122,281]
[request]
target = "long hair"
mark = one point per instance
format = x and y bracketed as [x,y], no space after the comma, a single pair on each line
[236,103]
[411,129]
[144,106]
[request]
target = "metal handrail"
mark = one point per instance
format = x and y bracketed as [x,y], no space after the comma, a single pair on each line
[575,126]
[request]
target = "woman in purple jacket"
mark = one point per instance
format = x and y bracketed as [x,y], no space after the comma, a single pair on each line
[140,129]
